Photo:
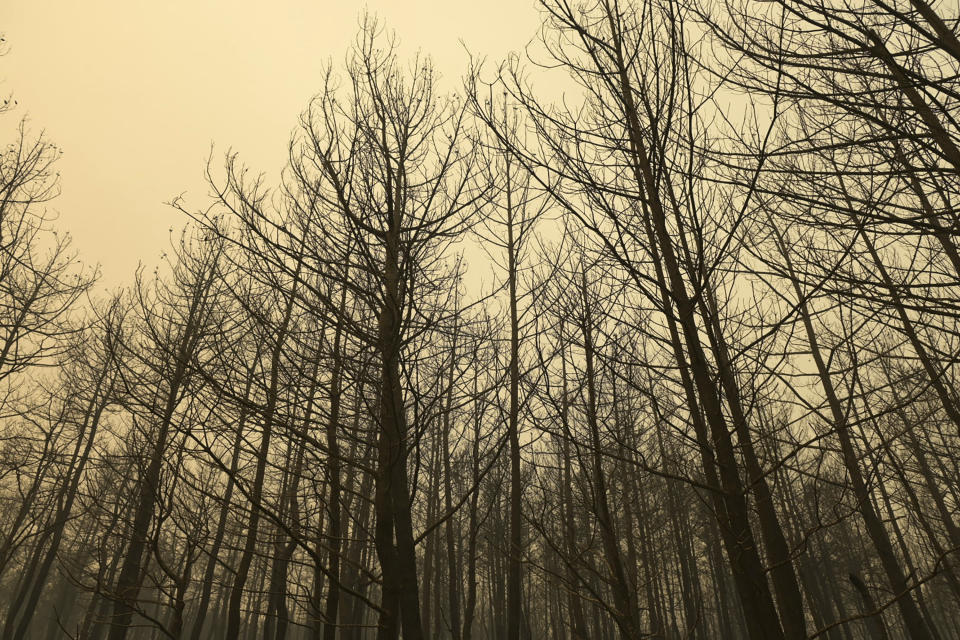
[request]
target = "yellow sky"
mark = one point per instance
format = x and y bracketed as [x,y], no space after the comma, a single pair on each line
[135,92]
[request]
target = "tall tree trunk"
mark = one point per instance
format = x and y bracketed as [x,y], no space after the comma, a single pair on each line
[624,595]
[206,588]
[27,597]
[515,573]
[470,601]
[398,562]
[334,521]
[578,626]
[916,626]
[127,588]
[453,567]
[256,488]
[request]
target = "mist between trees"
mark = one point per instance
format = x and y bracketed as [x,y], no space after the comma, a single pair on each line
[708,391]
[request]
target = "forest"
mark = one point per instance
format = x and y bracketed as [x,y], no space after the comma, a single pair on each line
[670,354]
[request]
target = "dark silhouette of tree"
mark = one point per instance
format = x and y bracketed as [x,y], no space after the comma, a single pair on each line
[674,356]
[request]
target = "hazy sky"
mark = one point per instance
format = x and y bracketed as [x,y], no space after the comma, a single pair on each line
[135,92]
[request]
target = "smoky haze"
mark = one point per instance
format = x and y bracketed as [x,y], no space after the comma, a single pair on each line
[136,93]
[647,330]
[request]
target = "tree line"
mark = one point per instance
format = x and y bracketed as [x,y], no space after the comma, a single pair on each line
[671,356]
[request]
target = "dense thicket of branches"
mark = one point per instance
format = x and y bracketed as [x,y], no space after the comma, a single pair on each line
[674,357]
